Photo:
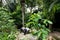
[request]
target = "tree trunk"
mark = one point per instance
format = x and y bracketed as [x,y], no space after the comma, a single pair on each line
[0,3]
[23,11]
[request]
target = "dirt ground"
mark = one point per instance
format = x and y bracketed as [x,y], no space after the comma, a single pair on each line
[21,36]
[54,35]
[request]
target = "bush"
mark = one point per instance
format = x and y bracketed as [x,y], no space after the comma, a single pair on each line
[17,16]
[7,26]
[37,22]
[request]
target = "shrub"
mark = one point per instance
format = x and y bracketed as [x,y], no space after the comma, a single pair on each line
[37,22]
[7,26]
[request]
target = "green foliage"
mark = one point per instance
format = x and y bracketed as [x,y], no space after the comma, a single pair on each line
[37,22]
[17,15]
[7,36]
[50,7]
[31,3]
[7,26]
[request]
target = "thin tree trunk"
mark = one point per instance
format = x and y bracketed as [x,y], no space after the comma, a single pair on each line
[23,11]
[0,3]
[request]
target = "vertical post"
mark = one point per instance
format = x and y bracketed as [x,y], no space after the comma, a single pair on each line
[0,3]
[23,11]
[50,27]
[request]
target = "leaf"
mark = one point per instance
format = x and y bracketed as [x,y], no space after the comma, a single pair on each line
[50,22]
[11,20]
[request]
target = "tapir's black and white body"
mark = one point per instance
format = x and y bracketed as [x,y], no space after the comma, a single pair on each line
[25,30]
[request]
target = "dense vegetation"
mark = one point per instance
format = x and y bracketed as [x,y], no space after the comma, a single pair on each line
[7,27]
[11,21]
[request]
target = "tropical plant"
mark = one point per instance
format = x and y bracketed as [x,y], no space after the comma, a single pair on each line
[37,22]
[49,9]
[7,27]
